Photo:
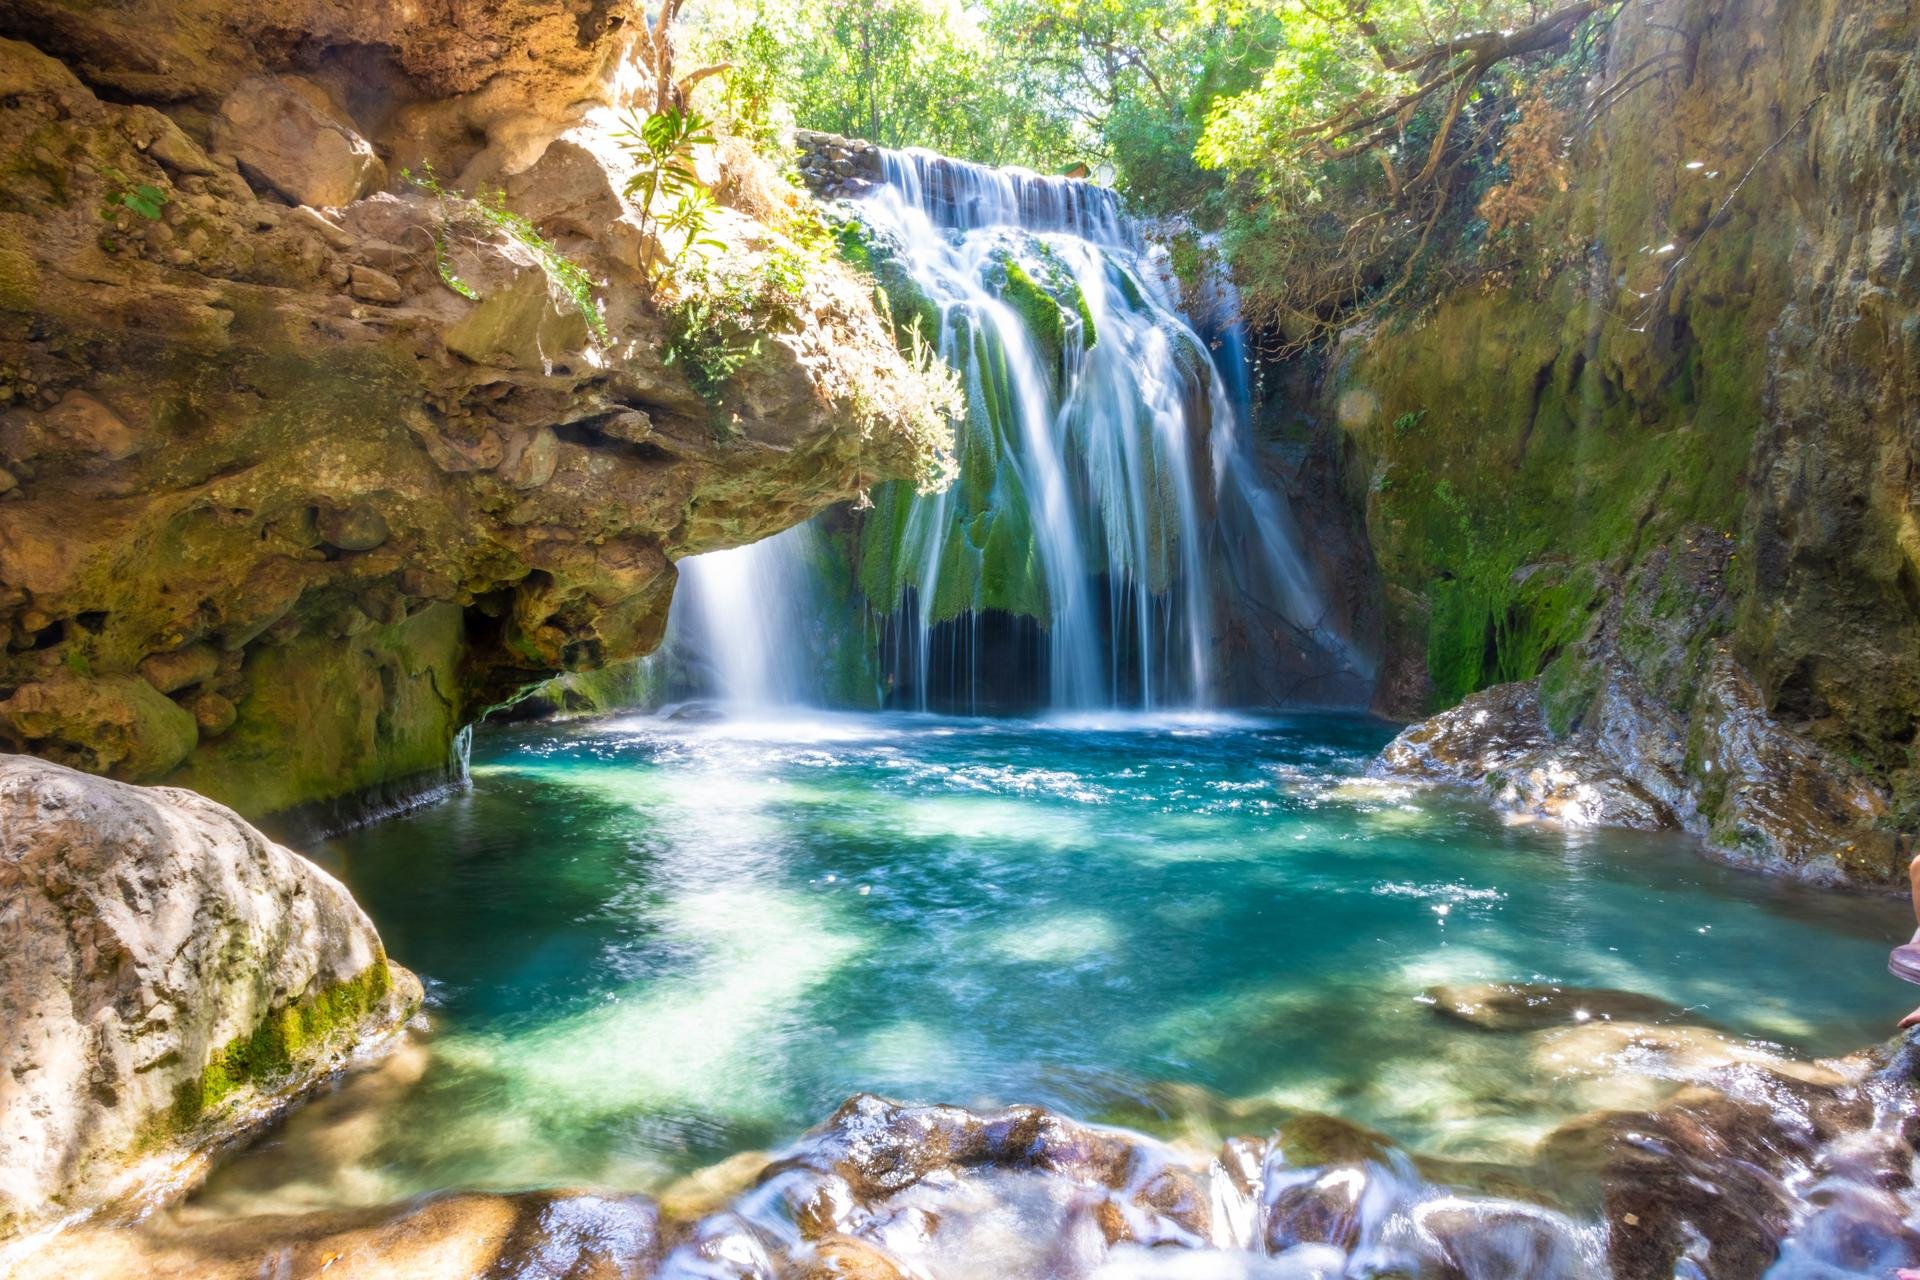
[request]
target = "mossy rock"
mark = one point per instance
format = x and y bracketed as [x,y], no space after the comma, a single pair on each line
[286,1041]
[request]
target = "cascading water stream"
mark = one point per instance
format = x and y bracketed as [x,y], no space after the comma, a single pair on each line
[1105,485]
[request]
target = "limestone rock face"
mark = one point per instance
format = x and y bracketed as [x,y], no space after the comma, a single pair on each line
[1497,741]
[289,136]
[1686,505]
[166,975]
[300,474]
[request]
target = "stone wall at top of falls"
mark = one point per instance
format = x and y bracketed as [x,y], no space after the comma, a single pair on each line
[1689,510]
[301,467]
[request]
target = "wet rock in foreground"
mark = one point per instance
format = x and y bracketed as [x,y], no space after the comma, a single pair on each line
[1773,1161]
[169,979]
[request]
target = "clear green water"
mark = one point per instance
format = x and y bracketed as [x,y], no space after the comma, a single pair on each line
[650,945]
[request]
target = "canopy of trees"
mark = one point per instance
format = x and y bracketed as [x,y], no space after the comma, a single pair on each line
[1284,124]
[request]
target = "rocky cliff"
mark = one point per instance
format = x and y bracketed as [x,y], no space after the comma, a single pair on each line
[302,464]
[1656,448]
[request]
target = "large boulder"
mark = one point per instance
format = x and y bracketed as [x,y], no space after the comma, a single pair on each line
[168,976]
[1497,741]
[389,460]
[288,135]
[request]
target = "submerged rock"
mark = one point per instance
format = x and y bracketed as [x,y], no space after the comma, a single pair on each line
[1532,1006]
[542,1235]
[885,1190]
[168,978]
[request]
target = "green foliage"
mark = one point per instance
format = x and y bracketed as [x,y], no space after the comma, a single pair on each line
[146,200]
[662,148]
[896,72]
[458,211]
[713,330]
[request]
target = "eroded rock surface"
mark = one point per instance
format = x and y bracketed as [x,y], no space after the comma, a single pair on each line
[167,976]
[538,1235]
[1760,794]
[289,493]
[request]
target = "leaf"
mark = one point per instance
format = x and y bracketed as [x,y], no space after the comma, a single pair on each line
[145,200]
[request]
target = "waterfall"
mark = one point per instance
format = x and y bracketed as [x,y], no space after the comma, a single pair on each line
[1105,487]
[745,624]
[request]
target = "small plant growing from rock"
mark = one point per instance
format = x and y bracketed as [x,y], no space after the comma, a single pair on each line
[146,200]
[457,208]
[143,200]
[662,147]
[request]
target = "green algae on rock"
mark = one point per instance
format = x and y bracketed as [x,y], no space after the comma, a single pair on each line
[1576,471]
[172,979]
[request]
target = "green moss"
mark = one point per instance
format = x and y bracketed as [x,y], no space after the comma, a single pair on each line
[906,302]
[1011,578]
[1039,313]
[19,281]
[1568,688]
[287,1039]
[1518,464]
[605,689]
[381,705]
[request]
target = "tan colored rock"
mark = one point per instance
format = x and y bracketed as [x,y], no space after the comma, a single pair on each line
[536,1234]
[708,1190]
[171,672]
[371,285]
[155,133]
[79,424]
[849,1258]
[169,975]
[521,540]
[523,325]
[529,458]
[1533,1006]
[357,527]
[629,425]
[288,134]
[1669,1051]
[310,218]
[117,724]
[213,713]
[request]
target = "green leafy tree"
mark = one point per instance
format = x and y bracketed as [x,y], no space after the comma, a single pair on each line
[662,147]
[1370,127]
[896,72]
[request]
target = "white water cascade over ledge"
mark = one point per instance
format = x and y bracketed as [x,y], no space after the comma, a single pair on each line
[1107,523]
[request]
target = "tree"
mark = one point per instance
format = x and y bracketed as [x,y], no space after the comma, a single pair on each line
[896,72]
[1135,79]
[1356,142]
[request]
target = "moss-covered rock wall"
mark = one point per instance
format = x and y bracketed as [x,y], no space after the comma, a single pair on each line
[1676,411]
